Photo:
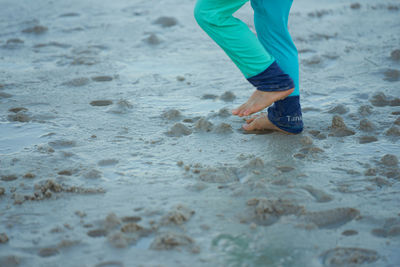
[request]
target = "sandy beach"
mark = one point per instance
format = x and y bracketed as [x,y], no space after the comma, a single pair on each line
[118,147]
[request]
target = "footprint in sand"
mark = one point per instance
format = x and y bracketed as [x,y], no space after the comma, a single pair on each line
[391,75]
[333,218]
[355,6]
[343,256]
[38,29]
[153,39]
[339,128]
[228,96]
[77,82]
[395,55]
[166,22]
[209,96]
[171,114]
[101,103]
[8,178]
[48,252]
[179,130]
[102,78]
[70,14]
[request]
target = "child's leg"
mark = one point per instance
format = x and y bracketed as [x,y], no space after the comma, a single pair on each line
[215,17]
[271,19]
[246,51]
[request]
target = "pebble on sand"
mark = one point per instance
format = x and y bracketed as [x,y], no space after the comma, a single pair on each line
[389,160]
[3,238]
[228,96]
[170,240]
[166,22]
[171,114]
[344,256]
[204,125]
[179,130]
[339,128]
[38,29]
[393,131]
[395,55]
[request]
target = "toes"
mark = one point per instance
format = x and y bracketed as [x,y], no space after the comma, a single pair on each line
[250,111]
[250,120]
[242,111]
[237,111]
[250,126]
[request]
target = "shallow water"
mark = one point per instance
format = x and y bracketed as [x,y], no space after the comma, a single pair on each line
[117,147]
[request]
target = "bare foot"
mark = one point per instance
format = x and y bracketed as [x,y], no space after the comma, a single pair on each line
[260,100]
[261,122]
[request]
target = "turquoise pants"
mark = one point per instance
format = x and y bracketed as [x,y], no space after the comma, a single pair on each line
[252,54]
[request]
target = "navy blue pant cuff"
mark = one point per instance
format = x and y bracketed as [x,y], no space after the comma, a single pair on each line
[286,114]
[272,79]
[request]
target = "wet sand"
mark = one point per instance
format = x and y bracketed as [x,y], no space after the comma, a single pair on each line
[117,146]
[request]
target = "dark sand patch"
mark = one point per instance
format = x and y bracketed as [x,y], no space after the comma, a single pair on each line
[166,22]
[153,39]
[339,109]
[171,114]
[367,139]
[267,212]
[223,128]
[102,78]
[121,107]
[62,143]
[203,125]
[101,103]
[77,82]
[224,113]
[53,44]
[38,29]
[17,109]
[389,160]
[5,95]
[110,264]
[48,252]
[69,14]
[97,233]
[342,256]
[393,131]
[10,261]
[319,195]
[178,215]
[339,128]
[379,100]
[20,116]
[107,162]
[8,178]
[209,96]
[365,110]
[391,75]
[65,172]
[355,6]
[3,238]
[395,55]
[366,125]
[228,96]
[179,130]
[171,240]
[349,232]
[333,218]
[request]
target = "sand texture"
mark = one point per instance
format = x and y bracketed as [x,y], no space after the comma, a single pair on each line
[118,147]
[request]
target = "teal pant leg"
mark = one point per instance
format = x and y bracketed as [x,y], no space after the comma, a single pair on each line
[215,17]
[271,20]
